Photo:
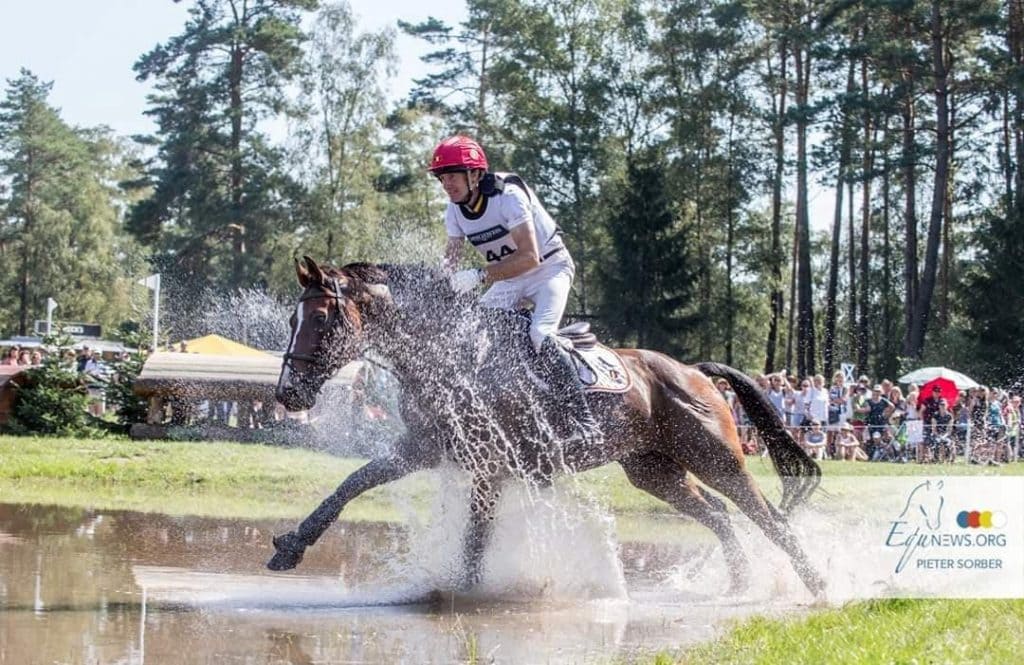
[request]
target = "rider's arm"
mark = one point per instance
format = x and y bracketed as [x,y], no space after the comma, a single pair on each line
[524,259]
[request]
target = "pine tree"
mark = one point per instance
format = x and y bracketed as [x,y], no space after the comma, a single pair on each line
[648,286]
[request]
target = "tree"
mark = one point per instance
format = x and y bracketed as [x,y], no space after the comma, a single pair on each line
[648,289]
[339,155]
[60,235]
[218,191]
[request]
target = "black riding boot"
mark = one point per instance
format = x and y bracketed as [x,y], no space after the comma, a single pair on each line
[571,405]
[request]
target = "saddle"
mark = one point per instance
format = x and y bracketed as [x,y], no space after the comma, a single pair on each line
[600,369]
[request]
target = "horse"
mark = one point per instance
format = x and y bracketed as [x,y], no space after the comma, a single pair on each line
[466,391]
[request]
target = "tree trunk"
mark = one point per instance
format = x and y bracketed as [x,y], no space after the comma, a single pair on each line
[831,306]
[940,76]
[236,178]
[730,234]
[909,162]
[790,337]
[887,365]
[776,300]
[851,267]
[867,165]
[806,351]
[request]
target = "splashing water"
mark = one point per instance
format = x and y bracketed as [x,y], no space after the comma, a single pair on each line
[550,544]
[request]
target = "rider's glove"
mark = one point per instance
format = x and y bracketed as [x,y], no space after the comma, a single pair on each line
[465,281]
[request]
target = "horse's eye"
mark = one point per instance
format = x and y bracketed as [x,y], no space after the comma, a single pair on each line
[320,318]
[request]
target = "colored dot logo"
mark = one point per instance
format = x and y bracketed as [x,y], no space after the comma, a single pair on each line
[981,519]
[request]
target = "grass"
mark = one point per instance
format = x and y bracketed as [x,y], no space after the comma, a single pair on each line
[876,631]
[218,479]
[206,479]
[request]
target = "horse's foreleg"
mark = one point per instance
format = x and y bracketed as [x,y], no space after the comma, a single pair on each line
[482,508]
[291,546]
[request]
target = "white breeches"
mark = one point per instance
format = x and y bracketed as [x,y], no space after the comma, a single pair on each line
[546,286]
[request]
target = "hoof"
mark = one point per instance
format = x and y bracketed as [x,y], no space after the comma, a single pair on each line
[289,552]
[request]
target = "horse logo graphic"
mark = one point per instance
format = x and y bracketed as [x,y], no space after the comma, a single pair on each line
[928,501]
[921,515]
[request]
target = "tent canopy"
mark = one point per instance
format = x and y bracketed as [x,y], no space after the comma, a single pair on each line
[220,346]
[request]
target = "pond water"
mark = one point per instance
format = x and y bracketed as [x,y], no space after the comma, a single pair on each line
[88,586]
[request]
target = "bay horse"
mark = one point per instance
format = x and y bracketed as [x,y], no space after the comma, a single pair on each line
[468,396]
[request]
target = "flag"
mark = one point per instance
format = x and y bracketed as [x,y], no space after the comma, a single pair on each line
[152,282]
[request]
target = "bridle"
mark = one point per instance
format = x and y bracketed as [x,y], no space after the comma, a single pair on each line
[332,287]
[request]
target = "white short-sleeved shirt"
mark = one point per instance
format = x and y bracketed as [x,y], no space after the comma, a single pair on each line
[489,229]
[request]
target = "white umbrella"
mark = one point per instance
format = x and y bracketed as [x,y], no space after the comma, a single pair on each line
[926,374]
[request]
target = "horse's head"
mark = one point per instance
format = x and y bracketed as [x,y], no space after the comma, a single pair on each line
[330,327]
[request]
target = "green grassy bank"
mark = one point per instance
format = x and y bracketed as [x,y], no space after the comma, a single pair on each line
[876,631]
[256,481]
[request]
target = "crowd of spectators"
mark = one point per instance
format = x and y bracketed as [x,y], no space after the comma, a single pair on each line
[90,363]
[877,422]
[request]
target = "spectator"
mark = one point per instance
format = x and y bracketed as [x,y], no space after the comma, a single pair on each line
[837,400]
[995,426]
[939,434]
[69,361]
[873,444]
[37,358]
[1012,419]
[930,406]
[859,410]
[837,405]
[848,445]
[914,427]
[879,410]
[814,440]
[792,411]
[24,357]
[83,358]
[899,403]
[11,357]
[776,396]
[802,402]
[96,382]
[819,399]
[890,447]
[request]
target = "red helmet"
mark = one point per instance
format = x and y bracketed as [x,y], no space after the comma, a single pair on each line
[457,153]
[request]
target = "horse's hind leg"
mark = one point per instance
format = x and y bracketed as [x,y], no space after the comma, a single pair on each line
[665,479]
[741,488]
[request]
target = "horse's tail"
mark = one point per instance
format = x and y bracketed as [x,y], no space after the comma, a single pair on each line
[800,474]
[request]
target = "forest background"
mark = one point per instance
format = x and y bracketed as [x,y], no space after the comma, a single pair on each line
[676,142]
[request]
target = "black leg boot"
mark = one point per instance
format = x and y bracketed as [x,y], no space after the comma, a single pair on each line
[567,392]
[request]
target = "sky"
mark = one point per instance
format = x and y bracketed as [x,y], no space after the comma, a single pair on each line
[87,49]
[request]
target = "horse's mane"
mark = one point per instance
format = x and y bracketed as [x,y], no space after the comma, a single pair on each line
[430,309]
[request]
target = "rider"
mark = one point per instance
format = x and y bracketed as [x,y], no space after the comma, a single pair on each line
[526,259]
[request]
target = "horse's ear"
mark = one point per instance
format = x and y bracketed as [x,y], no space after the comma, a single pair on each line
[302,273]
[308,272]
